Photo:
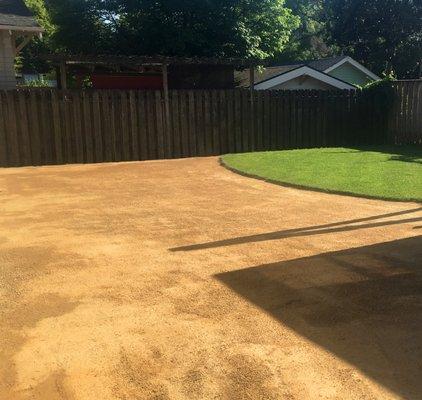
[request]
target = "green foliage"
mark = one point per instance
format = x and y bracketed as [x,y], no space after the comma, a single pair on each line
[382,93]
[310,39]
[28,60]
[381,34]
[80,26]
[38,7]
[37,83]
[243,28]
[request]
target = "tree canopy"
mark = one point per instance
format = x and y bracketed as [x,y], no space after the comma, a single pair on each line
[381,34]
[310,39]
[245,28]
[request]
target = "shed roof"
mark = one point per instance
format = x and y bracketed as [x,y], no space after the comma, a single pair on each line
[323,63]
[300,71]
[14,14]
[242,77]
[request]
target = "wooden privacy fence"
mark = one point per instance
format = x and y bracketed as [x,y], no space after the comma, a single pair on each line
[39,126]
[405,124]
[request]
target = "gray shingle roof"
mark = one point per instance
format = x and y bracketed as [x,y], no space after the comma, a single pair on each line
[15,13]
[324,63]
[242,77]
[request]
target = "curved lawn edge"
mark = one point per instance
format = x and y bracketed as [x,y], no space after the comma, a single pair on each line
[310,188]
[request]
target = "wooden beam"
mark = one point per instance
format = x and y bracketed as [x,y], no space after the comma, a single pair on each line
[251,78]
[144,60]
[63,75]
[27,38]
[36,29]
[251,81]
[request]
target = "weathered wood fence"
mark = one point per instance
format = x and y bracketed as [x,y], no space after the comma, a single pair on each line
[405,124]
[39,126]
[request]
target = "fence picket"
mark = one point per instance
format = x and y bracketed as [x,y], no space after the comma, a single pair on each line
[3,133]
[12,130]
[56,128]
[159,117]
[142,113]
[87,131]
[98,143]
[52,127]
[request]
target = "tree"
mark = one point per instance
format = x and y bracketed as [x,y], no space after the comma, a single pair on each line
[381,34]
[310,39]
[80,26]
[244,28]
[224,28]
[28,59]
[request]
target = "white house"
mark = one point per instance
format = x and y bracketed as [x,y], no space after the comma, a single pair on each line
[17,27]
[327,74]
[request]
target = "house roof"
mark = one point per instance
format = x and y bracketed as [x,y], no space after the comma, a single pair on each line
[242,77]
[322,65]
[14,15]
[300,71]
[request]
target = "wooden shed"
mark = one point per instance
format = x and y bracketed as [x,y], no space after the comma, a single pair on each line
[17,27]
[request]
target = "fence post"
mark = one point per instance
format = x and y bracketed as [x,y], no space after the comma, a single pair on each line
[47,126]
[166,111]
[252,101]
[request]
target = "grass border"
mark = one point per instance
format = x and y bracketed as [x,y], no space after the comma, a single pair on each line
[312,189]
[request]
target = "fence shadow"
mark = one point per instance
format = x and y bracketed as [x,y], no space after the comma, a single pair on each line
[341,226]
[362,304]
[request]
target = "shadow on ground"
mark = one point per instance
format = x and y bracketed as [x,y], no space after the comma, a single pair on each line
[405,153]
[342,226]
[364,305]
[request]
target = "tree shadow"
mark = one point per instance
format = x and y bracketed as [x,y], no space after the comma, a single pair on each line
[412,159]
[361,304]
[341,226]
[404,153]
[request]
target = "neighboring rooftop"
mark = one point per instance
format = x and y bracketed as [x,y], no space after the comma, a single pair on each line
[324,63]
[15,14]
[242,77]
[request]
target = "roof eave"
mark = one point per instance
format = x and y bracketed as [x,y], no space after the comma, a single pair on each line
[305,70]
[355,64]
[36,29]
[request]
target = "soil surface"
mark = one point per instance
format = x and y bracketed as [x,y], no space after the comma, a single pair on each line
[182,280]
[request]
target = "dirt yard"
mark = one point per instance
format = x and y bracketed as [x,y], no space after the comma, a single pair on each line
[181,280]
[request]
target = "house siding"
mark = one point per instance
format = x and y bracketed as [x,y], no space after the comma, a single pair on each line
[348,73]
[7,58]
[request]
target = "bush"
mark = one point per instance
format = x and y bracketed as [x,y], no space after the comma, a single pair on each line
[382,93]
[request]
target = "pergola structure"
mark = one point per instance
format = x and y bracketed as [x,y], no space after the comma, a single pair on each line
[138,63]
[17,27]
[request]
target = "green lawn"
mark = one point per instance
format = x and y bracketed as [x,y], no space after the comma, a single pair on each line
[387,172]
